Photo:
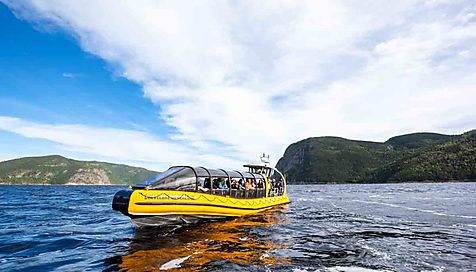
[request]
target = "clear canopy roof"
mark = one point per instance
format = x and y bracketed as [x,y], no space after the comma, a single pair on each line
[187,177]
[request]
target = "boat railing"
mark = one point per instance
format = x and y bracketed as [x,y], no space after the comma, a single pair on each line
[221,192]
[277,191]
[253,193]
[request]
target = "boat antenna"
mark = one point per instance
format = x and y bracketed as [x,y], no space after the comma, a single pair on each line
[264,159]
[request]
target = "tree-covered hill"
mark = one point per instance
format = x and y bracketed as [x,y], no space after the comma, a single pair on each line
[60,170]
[411,157]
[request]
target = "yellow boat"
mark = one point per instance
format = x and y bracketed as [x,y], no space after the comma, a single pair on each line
[185,195]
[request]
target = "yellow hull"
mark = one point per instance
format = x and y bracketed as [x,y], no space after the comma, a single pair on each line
[162,203]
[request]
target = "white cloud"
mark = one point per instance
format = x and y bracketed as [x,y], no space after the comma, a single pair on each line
[117,145]
[250,76]
[71,75]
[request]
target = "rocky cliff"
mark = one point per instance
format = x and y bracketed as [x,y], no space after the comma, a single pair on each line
[411,157]
[60,170]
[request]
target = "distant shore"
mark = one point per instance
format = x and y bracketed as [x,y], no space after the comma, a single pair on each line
[294,183]
[390,182]
[47,184]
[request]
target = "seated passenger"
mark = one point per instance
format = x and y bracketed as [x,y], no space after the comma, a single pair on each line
[215,183]
[234,184]
[222,184]
[271,188]
[248,185]
[280,188]
[259,184]
[242,184]
[206,183]
[202,186]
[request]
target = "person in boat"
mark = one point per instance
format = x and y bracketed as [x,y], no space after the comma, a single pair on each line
[254,185]
[215,183]
[248,184]
[242,184]
[258,183]
[241,187]
[262,187]
[280,187]
[204,185]
[271,187]
[234,184]
[276,187]
[222,184]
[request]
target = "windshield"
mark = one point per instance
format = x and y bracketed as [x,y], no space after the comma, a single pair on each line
[161,175]
[176,178]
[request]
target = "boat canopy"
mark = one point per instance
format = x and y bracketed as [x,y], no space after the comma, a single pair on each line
[189,178]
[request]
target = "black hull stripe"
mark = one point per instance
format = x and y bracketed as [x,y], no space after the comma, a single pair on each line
[160,217]
[207,205]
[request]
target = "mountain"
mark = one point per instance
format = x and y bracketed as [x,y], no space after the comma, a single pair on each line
[60,170]
[405,158]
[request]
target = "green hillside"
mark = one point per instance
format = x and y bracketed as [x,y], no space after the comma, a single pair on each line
[411,157]
[60,170]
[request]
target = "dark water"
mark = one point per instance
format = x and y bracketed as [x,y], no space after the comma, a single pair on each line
[397,227]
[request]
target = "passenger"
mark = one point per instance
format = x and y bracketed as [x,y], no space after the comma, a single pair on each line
[253,187]
[276,187]
[258,187]
[203,185]
[242,184]
[206,183]
[222,184]
[227,183]
[271,188]
[215,183]
[248,184]
[234,184]
[260,184]
[253,184]
[280,188]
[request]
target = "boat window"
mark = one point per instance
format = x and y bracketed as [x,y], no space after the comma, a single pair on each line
[176,178]
[202,172]
[234,174]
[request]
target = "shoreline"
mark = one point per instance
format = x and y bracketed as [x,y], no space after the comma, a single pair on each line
[391,182]
[47,184]
[301,183]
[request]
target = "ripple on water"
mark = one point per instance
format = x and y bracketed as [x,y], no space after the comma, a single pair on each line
[393,227]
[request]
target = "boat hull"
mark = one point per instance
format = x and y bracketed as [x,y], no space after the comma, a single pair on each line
[164,207]
[173,220]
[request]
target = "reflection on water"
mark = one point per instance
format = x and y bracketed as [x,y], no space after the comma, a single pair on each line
[231,243]
[327,228]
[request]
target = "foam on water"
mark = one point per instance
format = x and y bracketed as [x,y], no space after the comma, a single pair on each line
[416,209]
[353,269]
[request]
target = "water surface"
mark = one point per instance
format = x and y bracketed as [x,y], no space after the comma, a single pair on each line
[380,227]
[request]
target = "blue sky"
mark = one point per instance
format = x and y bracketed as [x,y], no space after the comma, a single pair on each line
[46,77]
[154,83]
